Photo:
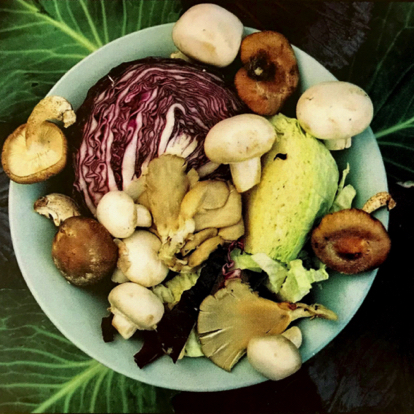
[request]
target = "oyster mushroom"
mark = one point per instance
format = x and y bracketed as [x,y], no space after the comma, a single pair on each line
[351,241]
[270,73]
[233,316]
[37,150]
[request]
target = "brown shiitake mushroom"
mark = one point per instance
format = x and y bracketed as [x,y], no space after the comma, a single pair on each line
[351,241]
[270,73]
[84,251]
[37,150]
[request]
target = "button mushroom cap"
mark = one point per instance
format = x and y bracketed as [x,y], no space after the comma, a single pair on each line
[274,356]
[351,241]
[208,33]
[134,307]
[84,251]
[335,111]
[270,73]
[240,141]
[139,261]
[120,215]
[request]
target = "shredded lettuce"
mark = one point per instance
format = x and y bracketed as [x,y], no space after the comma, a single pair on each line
[345,194]
[193,346]
[171,291]
[290,282]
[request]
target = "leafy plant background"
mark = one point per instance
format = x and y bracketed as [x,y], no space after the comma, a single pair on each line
[365,43]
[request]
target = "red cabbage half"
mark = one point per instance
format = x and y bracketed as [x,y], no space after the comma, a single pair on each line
[141,110]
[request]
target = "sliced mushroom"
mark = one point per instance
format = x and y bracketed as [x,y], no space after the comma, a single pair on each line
[233,316]
[57,207]
[270,73]
[351,241]
[37,150]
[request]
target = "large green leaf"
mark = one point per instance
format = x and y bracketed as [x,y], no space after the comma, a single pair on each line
[41,39]
[384,67]
[41,371]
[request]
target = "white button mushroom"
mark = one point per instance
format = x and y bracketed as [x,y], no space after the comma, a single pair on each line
[335,111]
[240,141]
[208,33]
[134,307]
[139,261]
[274,356]
[118,213]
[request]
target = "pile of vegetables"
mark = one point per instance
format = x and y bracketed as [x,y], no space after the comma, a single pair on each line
[211,211]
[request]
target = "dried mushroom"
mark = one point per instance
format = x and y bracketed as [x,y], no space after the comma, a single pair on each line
[351,241]
[37,150]
[233,316]
[270,73]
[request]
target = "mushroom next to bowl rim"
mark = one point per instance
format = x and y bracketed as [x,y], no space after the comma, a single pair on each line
[351,241]
[334,111]
[37,150]
[234,315]
[84,251]
[208,33]
[270,73]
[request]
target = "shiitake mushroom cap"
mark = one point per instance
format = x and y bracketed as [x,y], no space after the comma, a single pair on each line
[351,241]
[270,74]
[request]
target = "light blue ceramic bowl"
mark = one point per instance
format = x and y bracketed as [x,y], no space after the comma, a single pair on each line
[77,313]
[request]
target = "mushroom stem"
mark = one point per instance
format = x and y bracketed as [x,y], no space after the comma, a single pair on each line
[294,334]
[123,325]
[144,218]
[338,144]
[313,311]
[246,174]
[54,108]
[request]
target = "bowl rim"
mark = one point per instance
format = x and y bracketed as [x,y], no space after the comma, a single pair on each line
[13,199]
